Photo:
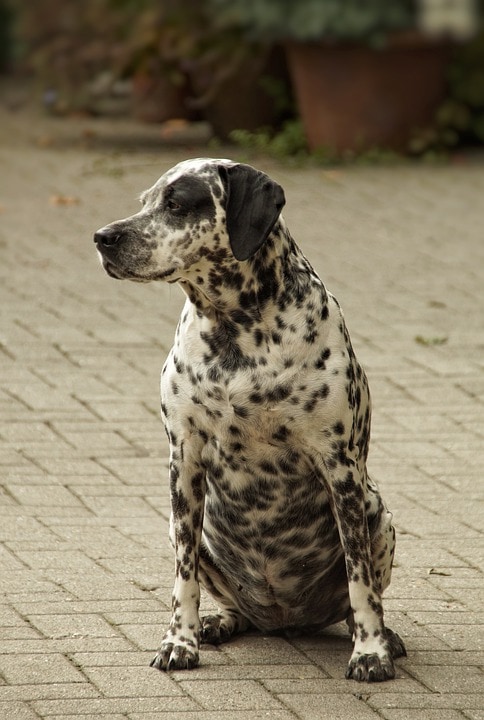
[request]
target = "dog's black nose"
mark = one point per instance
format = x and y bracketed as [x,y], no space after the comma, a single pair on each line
[107,237]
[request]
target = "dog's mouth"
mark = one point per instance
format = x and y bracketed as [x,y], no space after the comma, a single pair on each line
[166,274]
[119,274]
[111,270]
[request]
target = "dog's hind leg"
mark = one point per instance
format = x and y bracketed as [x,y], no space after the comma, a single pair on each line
[219,627]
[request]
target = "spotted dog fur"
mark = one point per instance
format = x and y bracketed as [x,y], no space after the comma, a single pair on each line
[267,411]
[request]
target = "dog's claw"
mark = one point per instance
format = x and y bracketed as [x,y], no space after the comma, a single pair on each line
[213,631]
[370,668]
[175,657]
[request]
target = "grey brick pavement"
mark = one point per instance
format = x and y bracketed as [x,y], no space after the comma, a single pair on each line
[85,566]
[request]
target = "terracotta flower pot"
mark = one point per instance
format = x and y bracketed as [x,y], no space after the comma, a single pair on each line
[355,97]
[155,99]
[235,98]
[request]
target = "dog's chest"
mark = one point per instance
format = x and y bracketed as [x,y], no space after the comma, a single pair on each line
[253,412]
[264,385]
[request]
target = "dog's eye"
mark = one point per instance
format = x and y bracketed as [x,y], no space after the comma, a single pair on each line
[173,205]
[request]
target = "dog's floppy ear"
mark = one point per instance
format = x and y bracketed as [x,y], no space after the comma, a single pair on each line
[254,202]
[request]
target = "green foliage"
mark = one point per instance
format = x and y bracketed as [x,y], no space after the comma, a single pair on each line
[465,108]
[289,145]
[460,119]
[271,20]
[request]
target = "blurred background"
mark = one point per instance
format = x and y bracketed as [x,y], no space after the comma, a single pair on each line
[329,77]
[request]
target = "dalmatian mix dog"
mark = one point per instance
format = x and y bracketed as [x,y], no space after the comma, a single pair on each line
[267,412]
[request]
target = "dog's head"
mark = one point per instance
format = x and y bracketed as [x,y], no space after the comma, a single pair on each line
[201,211]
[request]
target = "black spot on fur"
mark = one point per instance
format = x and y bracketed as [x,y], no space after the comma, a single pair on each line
[241,411]
[320,363]
[320,394]
[258,336]
[339,428]
[281,434]
[279,393]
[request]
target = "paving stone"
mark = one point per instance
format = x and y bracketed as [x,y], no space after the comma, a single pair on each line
[328,707]
[27,669]
[428,701]
[228,695]
[102,542]
[104,716]
[120,507]
[422,714]
[132,681]
[447,617]
[54,495]
[324,686]
[272,714]
[66,645]
[439,658]
[93,584]
[257,649]
[72,625]
[146,636]
[457,679]
[477,714]
[47,691]
[17,711]
[56,559]
[8,561]
[68,466]
[111,658]
[460,637]
[97,707]
[20,526]
[215,666]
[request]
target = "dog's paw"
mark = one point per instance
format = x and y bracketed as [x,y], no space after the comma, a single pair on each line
[214,631]
[172,655]
[370,668]
[395,644]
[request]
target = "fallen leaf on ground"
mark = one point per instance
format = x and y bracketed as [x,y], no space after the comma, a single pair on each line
[88,134]
[45,141]
[335,176]
[171,128]
[421,340]
[63,200]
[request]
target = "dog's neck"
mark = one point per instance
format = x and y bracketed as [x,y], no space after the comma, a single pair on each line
[247,291]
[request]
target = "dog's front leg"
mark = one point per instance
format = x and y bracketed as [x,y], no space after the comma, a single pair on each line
[373,653]
[180,645]
[372,658]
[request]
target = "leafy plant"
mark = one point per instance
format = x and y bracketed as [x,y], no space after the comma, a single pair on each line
[289,145]
[274,20]
[464,109]
[460,118]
